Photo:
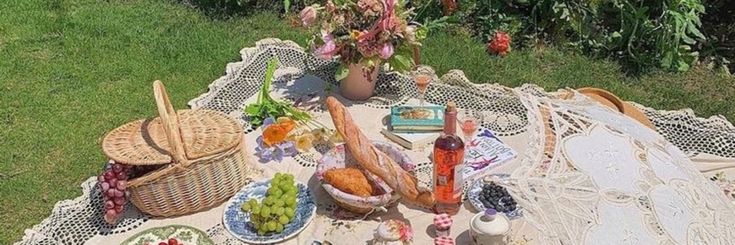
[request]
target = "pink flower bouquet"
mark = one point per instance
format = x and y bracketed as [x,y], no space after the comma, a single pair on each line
[367,32]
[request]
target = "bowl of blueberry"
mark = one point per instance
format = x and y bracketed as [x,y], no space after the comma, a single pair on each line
[486,193]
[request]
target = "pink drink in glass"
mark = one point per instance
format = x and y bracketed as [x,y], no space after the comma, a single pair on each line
[422,82]
[469,127]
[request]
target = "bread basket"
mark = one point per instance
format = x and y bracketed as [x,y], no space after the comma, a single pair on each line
[199,154]
[338,157]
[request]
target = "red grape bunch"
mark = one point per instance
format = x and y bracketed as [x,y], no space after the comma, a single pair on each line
[113,182]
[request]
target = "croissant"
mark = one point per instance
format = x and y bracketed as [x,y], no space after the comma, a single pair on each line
[349,180]
[374,160]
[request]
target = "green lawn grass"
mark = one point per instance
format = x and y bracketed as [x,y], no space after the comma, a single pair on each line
[71,70]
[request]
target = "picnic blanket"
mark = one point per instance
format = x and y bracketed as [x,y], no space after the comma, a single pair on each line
[512,113]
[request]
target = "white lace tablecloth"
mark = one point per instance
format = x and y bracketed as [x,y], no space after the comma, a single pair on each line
[709,143]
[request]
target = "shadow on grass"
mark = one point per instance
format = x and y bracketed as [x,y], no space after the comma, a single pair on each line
[219,9]
[227,9]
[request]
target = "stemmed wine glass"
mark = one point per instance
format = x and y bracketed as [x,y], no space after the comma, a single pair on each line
[422,76]
[469,121]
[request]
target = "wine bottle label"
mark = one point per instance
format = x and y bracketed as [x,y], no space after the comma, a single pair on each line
[441,180]
[458,182]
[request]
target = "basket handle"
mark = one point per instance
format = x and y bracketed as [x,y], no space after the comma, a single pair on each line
[170,122]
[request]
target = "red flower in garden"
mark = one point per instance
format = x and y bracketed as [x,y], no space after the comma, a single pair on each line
[499,44]
[449,7]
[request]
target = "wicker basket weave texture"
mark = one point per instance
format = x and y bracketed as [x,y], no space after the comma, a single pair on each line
[144,142]
[202,185]
[203,153]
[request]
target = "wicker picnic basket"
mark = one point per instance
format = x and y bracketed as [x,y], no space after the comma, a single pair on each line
[199,153]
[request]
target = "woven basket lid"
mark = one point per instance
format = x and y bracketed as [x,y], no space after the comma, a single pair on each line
[143,142]
[174,136]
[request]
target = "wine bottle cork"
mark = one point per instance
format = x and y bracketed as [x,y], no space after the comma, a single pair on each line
[451,106]
[450,118]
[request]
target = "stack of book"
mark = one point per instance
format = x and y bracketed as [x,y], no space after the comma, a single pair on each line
[414,126]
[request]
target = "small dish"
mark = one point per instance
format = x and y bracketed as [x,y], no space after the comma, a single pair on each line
[473,196]
[182,233]
[238,223]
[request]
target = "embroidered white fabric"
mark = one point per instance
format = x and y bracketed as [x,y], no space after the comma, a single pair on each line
[570,197]
[597,177]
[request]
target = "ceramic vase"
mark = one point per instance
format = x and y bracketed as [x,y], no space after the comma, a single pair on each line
[358,85]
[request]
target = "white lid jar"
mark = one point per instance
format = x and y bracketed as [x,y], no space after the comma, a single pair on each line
[489,228]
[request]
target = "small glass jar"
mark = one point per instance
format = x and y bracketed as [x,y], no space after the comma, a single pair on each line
[442,224]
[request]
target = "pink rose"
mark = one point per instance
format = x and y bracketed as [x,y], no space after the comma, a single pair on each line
[386,51]
[308,16]
[329,49]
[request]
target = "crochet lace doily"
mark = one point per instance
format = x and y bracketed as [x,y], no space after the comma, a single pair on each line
[77,220]
[598,177]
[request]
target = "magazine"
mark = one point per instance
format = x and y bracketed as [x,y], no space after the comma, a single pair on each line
[483,153]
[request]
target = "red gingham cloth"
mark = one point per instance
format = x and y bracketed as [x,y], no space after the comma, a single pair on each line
[443,240]
[442,221]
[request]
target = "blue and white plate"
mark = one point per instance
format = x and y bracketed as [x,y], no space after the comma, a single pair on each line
[473,196]
[238,223]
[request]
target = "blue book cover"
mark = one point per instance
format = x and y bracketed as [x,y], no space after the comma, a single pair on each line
[417,118]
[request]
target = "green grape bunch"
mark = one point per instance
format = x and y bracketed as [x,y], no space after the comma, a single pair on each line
[278,207]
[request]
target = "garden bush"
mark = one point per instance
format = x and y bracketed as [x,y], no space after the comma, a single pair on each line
[718,24]
[641,33]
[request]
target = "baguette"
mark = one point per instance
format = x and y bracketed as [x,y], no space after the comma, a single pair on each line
[374,160]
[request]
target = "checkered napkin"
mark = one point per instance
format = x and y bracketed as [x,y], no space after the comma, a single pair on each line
[442,221]
[443,240]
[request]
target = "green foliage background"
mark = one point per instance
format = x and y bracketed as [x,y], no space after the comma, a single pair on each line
[641,34]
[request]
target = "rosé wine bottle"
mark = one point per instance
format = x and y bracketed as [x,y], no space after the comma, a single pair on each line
[448,156]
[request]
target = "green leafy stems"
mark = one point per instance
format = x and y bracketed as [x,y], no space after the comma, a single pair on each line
[666,33]
[266,106]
